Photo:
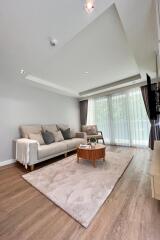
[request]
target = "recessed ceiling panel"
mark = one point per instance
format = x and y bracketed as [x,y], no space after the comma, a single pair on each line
[97,55]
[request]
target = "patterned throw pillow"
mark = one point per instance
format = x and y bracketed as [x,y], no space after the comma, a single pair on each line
[38,137]
[48,137]
[66,133]
[58,136]
[91,130]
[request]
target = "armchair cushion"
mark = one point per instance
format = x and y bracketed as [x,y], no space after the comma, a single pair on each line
[90,129]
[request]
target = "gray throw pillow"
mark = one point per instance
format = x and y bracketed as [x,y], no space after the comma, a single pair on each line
[48,137]
[66,133]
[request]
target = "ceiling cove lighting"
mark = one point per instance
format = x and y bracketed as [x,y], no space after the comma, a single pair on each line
[89,6]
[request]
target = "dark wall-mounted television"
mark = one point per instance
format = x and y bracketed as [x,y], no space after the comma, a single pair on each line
[152,98]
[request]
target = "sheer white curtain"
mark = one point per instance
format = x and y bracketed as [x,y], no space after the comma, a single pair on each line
[122,118]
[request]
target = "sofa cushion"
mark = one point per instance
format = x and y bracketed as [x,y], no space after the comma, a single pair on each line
[65,127]
[74,143]
[38,137]
[48,137]
[53,148]
[25,130]
[50,127]
[62,126]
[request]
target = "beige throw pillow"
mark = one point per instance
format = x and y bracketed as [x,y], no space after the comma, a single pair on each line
[91,130]
[58,136]
[73,133]
[38,137]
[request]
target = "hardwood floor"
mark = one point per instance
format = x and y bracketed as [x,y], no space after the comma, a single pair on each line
[128,214]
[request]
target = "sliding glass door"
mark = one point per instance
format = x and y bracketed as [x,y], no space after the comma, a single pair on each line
[122,118]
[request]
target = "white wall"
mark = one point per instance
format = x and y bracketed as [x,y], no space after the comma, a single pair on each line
[23,104]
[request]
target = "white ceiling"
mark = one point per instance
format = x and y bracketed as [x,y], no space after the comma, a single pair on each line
[139,21]
[114,42]
[101,49]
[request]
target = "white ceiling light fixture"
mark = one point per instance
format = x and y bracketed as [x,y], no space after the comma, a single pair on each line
[53,42]
[22,71]
[89,6]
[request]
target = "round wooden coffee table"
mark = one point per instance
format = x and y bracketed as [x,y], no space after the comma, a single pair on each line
[91,153]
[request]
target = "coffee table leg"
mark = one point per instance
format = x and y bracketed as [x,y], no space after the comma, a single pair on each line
[77,159]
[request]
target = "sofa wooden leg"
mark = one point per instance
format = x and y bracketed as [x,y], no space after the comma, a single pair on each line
[32,167]
[65,155]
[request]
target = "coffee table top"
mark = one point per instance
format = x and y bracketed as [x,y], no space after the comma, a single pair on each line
[97,146]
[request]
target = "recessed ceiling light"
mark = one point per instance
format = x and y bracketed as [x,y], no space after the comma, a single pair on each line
[89,6]
[53,42]
[22,71]
[86,72]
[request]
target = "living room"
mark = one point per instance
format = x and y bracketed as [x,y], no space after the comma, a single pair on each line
[80,128]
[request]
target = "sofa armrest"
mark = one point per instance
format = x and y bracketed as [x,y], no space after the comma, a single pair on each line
[81,135]
[157,145]
[33,151]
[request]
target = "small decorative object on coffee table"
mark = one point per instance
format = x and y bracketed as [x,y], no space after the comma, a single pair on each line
[92,141]
[88,152]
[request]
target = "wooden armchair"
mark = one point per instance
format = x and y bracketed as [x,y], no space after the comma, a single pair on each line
[92,132]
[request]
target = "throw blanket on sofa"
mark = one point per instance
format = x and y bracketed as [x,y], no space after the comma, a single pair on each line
[23,150]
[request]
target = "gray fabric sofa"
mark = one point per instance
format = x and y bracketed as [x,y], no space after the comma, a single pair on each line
[40,153]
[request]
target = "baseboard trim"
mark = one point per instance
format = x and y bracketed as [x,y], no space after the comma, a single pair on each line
[7,162]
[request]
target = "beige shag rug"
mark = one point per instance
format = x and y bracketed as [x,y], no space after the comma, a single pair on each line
[80,189]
